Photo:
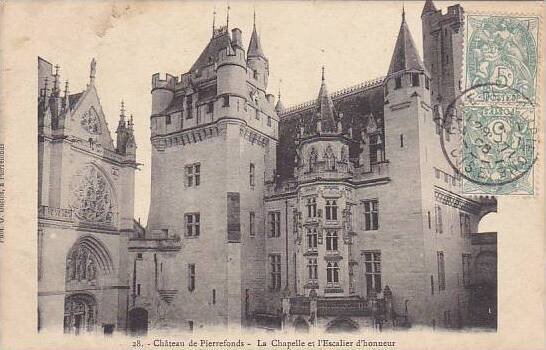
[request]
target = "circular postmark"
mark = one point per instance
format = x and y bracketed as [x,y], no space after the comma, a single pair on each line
[490,144]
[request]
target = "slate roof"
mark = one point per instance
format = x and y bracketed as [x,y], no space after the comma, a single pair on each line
[254,46]
[405,55]
[210,53]
[74,98]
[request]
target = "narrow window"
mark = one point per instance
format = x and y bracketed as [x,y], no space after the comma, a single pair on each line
[255,74]
[414,79]
[139,256]
[312,238]
[371,215]
[214,297]
[331,241]
[275,262]
[331,210]
[138,289]
[466,270]
[332,273]
[252,223]
[432,284]
[268,120]
[252,175]
[190,325]
[397,83]
[427,83]
[401,140]
[189,106]
[312,269]
[372,265]
[274,224]
[441,271]
[428,217]
[439,221]
[210,107]
[168,119]
[225,99]
[193,224]
[191,277]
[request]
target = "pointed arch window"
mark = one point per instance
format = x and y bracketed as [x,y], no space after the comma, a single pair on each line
[312,238]
[311,207]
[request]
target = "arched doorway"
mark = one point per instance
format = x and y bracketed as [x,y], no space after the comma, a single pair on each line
[80,313]
[138,321]
[342,325]
[301,326]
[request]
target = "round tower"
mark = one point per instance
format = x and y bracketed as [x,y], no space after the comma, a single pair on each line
[162,92]
[231,72]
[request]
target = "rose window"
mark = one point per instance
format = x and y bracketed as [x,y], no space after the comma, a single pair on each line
[90,122]
[91,196]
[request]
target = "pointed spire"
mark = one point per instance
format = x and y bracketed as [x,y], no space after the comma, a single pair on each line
[405,55]
[403,13]
[66,97]
[92,70]
[325,108]
[279,107]
[227,17]
[56,76]
[254,46]
[213,20]
[122,109]
[428,8]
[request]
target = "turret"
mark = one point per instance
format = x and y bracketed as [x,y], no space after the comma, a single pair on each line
[162,92]
[256,59]
[231,71]
[121,131]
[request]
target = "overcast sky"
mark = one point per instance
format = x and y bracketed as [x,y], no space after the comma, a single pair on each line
[353,40]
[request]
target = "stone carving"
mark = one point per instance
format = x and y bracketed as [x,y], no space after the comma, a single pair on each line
[81,265]
[91,196]
[90,122]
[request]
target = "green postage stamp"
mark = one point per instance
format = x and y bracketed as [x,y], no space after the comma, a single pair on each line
[499,129]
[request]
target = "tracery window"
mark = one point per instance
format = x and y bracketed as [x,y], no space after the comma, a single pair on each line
[81,264]
[311,207]
[90,122]
[331,210]
[332,273]
[92,196]
[312,237]
[331,241]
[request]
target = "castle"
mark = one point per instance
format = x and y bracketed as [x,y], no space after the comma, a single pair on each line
[337,214]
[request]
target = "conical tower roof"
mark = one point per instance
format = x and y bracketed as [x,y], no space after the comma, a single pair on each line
[254,46]
[405,55]
[429,7]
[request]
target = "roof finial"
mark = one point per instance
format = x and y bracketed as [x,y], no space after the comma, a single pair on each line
[322,73]
[92,70]
[66,88]
[56,80]
[403,13]
[122,109]
[227,17]
[280,82]
[254,22]
[213,20]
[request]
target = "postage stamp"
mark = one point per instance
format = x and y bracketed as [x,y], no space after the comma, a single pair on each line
[495,114]
[502,51]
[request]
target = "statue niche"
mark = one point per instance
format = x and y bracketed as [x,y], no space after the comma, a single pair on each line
[81,265]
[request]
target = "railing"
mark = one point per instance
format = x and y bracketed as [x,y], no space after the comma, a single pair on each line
[333,307]
[45,212]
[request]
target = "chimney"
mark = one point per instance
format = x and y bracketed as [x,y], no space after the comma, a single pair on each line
[236,38]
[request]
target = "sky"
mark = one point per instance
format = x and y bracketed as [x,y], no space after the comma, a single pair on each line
[133,40]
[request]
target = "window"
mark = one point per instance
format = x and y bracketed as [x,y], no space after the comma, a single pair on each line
[214,297]
[192,224]
[252,223]
[466,270]
[312,269]
[274,224]
[371,215]
[428,218]
[255,74]
[193,174]
[138,289]
[397,83]
[332,273]
[427,83]
[372,266]
[464,222]
[139,256]
[311,207]
[312,237]
[225,99]
[441,271]
[252,175]
[191,277]
[439,228]
[268,120]
[401,140]
[414,79]
[331,210]
[189,106]
[190,326]
[275,261]
[331,241]
[432,284]
[168,119]
[257,113]
[210,107]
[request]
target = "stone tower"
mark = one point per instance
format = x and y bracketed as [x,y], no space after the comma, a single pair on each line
[214,137]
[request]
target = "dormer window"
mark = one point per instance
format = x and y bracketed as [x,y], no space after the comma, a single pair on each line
[397,82]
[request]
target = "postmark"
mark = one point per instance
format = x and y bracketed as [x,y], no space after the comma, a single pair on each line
[492,146]
[502,54]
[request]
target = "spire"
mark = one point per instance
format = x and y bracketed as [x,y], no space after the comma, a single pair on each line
[56,89]
[428,8]
[403,13]
[254,46]
[279,107]
[66,97]
[405,55]
[213,20]
[92,70]
[227,17]
[325,108]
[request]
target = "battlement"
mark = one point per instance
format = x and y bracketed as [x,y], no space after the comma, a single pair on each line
[167,82]
[454,16]
[234,56]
